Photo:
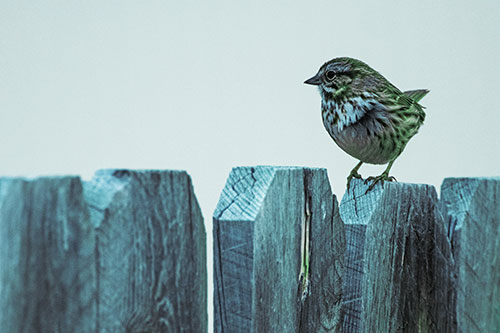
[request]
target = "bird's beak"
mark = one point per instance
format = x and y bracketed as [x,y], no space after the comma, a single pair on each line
[315,80]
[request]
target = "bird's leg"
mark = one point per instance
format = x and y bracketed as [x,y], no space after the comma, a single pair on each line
[354,174]
[383,177]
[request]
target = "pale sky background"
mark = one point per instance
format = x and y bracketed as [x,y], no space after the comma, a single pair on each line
[206,86]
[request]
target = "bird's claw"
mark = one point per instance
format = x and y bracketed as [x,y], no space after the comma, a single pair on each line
[381,178]
[353,174]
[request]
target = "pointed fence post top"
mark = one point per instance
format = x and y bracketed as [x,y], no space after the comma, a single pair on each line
[245,190]
[358,205]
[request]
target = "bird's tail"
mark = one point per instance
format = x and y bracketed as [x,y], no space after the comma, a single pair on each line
[416,95]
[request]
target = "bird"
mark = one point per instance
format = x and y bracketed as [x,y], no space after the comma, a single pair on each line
[366,115]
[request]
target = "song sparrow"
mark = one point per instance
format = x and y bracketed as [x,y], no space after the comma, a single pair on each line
[366,115]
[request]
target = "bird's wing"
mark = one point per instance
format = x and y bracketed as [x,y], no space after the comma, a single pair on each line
[401,103]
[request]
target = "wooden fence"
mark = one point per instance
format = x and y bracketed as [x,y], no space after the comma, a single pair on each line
[123,253]
[126,252]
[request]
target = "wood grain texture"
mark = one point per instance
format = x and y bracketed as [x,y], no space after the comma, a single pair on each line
[124,252]
[398,260]
[47,283]
[472,209]
[266,221]
[151,257]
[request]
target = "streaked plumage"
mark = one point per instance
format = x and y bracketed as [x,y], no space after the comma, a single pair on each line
[366,115]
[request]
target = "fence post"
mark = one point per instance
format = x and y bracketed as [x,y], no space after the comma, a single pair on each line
[278,251]
[398,260]
[123,252]
[47,283]
[472,209]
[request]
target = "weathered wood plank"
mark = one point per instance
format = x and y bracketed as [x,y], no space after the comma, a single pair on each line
[151,257]
[398,260]
[278,250]
[472,208]
[124,252]
[47,283]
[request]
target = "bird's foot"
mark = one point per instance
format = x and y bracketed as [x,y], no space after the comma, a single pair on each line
[354,174]
[382,178]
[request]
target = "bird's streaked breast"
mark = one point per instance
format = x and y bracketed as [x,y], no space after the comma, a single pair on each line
[358,126]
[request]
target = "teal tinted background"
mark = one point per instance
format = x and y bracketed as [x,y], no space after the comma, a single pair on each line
[205,86]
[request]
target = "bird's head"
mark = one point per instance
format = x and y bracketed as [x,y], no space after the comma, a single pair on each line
[344,76]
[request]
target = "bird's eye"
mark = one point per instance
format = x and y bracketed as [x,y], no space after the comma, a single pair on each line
[330,75]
